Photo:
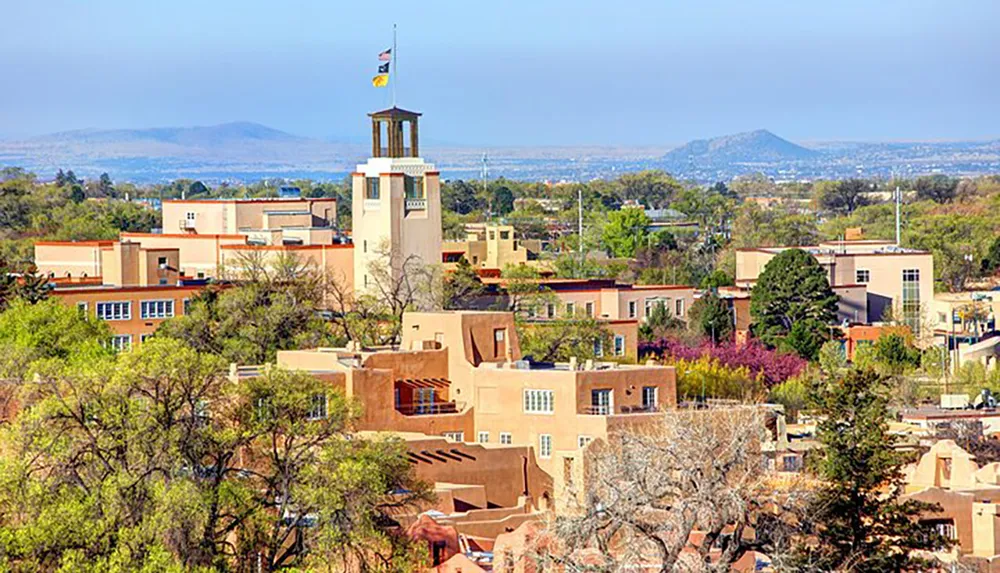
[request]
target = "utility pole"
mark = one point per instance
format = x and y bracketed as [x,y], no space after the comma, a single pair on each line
[899,200]
[579,241]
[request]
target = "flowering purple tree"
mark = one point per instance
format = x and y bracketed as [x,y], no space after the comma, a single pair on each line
[773,366]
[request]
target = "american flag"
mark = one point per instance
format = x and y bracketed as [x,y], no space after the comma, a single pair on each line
[385,56]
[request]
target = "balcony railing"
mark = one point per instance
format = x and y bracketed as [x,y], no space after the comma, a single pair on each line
[606,410]
[430,408]
[413,204]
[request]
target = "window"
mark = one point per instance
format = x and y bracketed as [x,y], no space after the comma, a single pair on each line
[161,261]
[862,276]
[598,347]
[545,445]
[679,307]
[114,310]
[942,318]
[493,235]
[651,303]
[649,397]
[506,438]
[371,188]
[189,216]
[504,235]
[601,402]
[81,307]
[632,308]
[145,337]
[455,436]
[156,308]
[317,407]
[911,299]
[187,306]
[498,334]
[582,441]
[570,309]
[589,307]
[619,345]
[550,310]
[413,187]
[483,437]
[539,401]
[121,342]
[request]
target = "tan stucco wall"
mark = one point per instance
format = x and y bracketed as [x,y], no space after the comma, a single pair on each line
[61,258]
[196,253]
[228,217]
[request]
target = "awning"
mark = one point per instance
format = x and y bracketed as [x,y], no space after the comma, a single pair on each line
[425,382]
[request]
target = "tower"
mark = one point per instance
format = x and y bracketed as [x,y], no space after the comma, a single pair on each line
[396,202]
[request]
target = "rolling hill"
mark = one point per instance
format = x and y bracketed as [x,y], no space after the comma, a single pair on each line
[760,146]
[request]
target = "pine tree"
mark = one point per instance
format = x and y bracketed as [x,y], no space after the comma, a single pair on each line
[710,315]
[462,287]
[861,523]
[793,288]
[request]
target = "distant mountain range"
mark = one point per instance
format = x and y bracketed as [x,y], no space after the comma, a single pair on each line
[750,147]
[246,151]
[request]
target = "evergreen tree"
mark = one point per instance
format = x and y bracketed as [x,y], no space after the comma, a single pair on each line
[861,524]
[60,178]
[711,317]
[462,287]
[793,288]
[991,262]
[77,195]
[105,186]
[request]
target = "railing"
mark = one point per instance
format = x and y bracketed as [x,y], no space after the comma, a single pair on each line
[607,410]
[416,204]
[430,408]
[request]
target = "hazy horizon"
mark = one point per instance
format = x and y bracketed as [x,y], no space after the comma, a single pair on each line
[641,73]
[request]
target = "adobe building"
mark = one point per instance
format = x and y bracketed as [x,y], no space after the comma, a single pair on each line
[265,218]
[491,247]
[460,374]
[396,200]
[872,278]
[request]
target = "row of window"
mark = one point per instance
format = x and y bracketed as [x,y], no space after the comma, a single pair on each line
[122,310]
[506,438]
[413,187]
[619,348]
[677,308]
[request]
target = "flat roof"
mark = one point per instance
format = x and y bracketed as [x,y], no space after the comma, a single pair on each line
[252,200]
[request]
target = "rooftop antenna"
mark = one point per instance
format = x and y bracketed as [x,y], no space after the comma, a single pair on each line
[899,200]
[486,175]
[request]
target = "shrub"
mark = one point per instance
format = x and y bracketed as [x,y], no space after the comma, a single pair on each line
[771,367]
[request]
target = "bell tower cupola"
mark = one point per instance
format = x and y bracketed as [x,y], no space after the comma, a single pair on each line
[393,122]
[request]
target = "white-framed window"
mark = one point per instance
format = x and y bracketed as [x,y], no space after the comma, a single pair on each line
[499,334]
[506,438]
[186,305]
[121,342]
[550,310]
[649,397]
[598,347]
[632,308]
[317,407]
[82,308]
[539,401]
[114,310]
[651,303]
[862,276]
[679,307]
[483,437]
[156,308]
[570,308]
[582,441]
[161,260]
[589,308]
[455,436]
[619,345]
[545,445]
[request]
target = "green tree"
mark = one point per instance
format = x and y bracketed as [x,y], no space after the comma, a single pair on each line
[895,354]
[559,340]
[844,197]
[626,230]
[48,329]
[659,323]
[861,523]
[990,264]
[711,317]
[717,278]
[938,188]
[77,194]
[105,186]
[462,287]
[157,462]
[793,288]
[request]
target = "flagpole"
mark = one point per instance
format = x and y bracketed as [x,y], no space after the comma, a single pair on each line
[395,56]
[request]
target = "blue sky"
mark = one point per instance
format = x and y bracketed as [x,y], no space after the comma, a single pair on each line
[512,72]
